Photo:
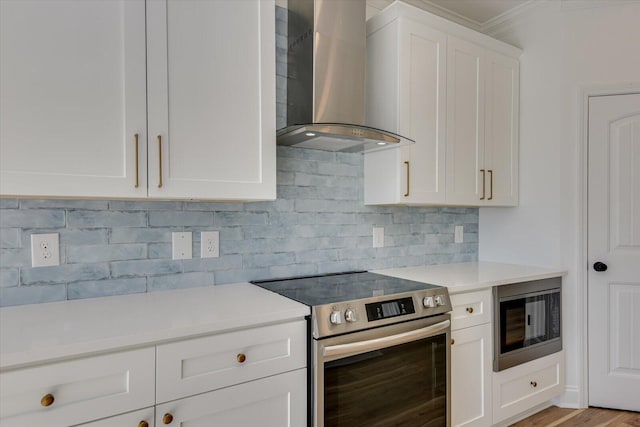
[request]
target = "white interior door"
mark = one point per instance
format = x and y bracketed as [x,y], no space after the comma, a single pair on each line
[614,241]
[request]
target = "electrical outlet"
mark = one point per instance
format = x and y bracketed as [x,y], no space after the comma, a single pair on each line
[378,237]
[181,245]
[458,234]
[210,244]
[45,250]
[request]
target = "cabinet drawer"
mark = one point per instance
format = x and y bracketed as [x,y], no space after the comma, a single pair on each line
[522,387]
[131,419]
[203,364]
[470,309]
[77,391]
[279,400]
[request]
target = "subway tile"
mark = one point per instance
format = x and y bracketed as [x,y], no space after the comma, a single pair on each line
[9,277]
[79,237]
[32,218]
[160,250]
[281,205]
[225,262]
[180,218]
[241,218]
[64,273]
[102,253]
[10,238]
[145,267]
[142,235]
[339,169]
[119,205]
[102,219]
[93,205]
[289,164]
[8,204]
[284,271]
[355,159]
[107,287]
[213,207]
[15,257]
[180,281]
[291,218]
[318,255]
[21,295]
[291,192]
[269,260]
[241,275]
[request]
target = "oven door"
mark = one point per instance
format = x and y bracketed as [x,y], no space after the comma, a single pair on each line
[396,375]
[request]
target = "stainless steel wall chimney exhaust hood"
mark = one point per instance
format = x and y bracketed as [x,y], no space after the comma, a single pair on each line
[326,79]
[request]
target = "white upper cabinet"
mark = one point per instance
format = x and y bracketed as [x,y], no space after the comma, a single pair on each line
[406,90]
[211,72]
[72,85]
[78,83]
[455,92]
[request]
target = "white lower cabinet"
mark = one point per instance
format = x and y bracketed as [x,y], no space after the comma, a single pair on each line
[471,376]
[277,401]
[77,391]
[522,387]
[471,361]
[248,377]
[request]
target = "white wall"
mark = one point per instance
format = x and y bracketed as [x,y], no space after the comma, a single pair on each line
[568,46]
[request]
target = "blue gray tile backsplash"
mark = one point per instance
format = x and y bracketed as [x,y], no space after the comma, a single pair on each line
[318,224]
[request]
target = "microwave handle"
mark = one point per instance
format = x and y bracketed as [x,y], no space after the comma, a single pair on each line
[378,343]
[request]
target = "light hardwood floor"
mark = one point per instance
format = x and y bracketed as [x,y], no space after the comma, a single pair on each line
[590,417]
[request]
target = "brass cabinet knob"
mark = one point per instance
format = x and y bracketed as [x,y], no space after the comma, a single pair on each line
[143,424]
[167,418]
[241,358]
[534,384]
[47,400]
[469,310]
[453,341]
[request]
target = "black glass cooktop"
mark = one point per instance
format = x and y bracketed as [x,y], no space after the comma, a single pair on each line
[333,288]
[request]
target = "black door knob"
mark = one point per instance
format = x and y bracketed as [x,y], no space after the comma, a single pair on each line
[600,266]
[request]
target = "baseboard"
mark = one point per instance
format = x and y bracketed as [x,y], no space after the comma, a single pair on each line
[569,399]
[523,415]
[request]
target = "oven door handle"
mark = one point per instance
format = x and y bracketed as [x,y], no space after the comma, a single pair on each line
[378,343]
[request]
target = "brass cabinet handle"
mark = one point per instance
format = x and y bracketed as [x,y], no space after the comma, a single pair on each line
[143,424]
[137,163]
[453,341]
[469,310]
[483,183]
[241,358]
[490,184]
[534,384]
[407,193]
[47,400]
[167,418]
[160,161]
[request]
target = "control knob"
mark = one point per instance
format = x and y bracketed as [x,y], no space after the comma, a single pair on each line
[440,300]
[336,317]
[429,302]
[350,315]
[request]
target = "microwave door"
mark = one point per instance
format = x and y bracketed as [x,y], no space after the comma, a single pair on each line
[535,322]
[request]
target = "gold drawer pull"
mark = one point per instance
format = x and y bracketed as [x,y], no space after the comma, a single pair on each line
[408,173]
[453,341]
[47,400]
[469,310]
[143,424]
[137,163]
[483,183]
[159,161]
[241,358]
[167,418]
[534,384]
[490,184]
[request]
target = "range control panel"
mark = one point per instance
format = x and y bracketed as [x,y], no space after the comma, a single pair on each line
[351,316]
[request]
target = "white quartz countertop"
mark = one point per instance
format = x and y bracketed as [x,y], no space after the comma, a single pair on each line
[36,333]
[468,276]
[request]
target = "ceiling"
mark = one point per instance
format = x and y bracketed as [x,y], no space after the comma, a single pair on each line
[479,15]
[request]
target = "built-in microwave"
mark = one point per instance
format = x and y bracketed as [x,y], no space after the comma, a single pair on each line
[527,321]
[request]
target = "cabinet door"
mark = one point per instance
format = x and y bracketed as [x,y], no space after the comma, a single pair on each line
[465,123]
[471,376]
[422,112]
[501,129]
[73,98]
[211,77]
[278,401]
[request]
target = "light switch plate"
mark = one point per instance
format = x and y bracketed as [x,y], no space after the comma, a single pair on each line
[45,250]
[378,237]
[181,245]
[458,234]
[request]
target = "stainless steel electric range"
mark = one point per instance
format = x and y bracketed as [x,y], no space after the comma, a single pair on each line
[379,349]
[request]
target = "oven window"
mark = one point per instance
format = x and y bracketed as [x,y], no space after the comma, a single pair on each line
[529,320]
[404,385]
